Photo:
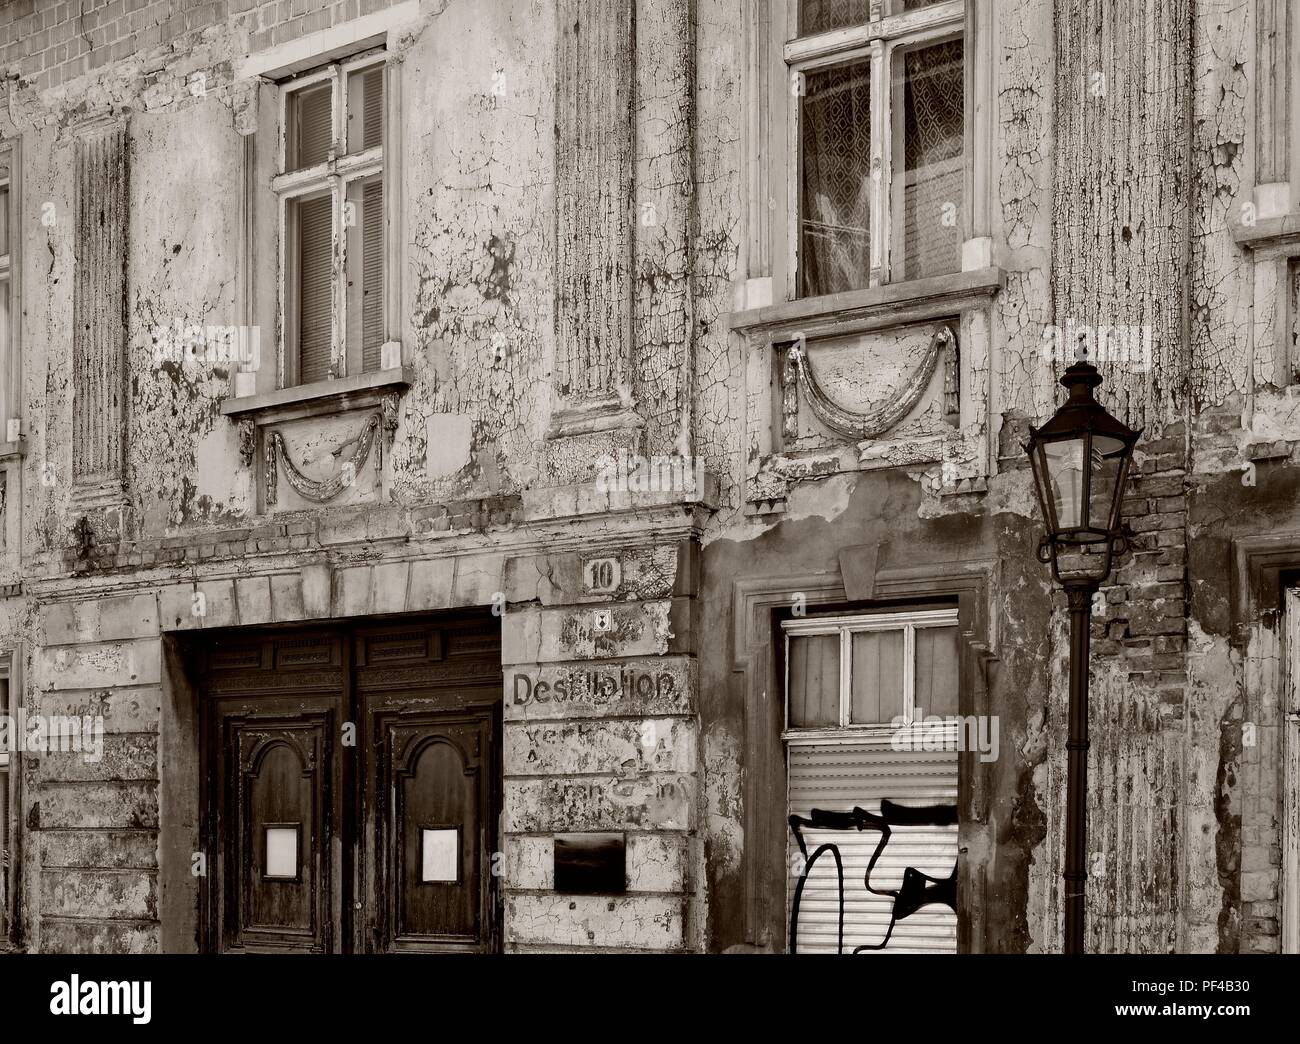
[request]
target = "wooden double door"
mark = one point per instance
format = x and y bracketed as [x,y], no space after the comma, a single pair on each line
[352,787]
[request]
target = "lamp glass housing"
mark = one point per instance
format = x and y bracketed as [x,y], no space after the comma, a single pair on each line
[1080,459]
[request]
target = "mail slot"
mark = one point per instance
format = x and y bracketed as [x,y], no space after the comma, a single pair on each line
[590,864]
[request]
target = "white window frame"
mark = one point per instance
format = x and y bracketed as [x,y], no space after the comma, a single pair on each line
[10,351]
[11,400]
[334,175]
[846,626]
[877,39]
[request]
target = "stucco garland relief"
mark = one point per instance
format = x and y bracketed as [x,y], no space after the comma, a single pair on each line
[870,423]
[852,438]
[322,490]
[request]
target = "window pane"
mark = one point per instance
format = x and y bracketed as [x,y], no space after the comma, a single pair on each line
[365,109]
[365,269]
[1065,472]
[877,688]
[929,173]
[819,16]
[311,126]
[936,670]
[814,681]
[835,157]
[4,220]
[313,228]
[899,6]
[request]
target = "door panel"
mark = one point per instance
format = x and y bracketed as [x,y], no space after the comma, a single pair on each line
[282,833]
[432,797]
[275,774]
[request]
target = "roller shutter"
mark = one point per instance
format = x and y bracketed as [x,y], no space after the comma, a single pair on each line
[837,776]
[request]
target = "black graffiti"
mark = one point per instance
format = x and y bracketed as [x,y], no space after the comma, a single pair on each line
[918,889]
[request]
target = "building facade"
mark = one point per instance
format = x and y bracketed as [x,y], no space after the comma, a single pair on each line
[548,475]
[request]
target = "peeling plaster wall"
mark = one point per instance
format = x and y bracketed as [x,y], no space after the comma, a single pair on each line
[183,271]
[478,126]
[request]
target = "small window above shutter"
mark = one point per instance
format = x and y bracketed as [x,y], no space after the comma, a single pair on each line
[311,127]
[366,109]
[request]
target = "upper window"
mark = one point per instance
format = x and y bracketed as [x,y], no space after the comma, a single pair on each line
[6,269]
[879,133]
[331,191]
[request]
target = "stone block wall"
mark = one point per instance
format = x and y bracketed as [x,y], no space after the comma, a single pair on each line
[93,826]
[601,735]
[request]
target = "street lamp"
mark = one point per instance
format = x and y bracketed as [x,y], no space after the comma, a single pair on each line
[1080,460]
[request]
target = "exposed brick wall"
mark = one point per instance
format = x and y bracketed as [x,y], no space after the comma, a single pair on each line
[1145,619]
[53,41]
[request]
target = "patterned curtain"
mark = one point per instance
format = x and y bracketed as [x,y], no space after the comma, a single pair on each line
[934,167]
[820,16]
[835,208]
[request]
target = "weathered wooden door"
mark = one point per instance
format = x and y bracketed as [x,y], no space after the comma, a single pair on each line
[352,782]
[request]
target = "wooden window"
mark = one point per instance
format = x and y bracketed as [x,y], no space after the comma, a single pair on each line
[333,225]
[9,399]
[870,671]
[879,137]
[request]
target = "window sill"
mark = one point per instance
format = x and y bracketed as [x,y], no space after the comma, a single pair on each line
[13,449]
[882,733]
[1277,236]
[877,307]
[319,399]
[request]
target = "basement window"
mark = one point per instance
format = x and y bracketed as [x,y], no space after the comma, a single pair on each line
[864,699]
[330,188]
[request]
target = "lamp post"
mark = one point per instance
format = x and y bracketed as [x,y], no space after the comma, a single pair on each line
[1080,459]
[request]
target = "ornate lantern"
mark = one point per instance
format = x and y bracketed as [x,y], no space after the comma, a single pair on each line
[1081,461]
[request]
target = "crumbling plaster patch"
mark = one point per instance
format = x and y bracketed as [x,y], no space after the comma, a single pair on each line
[478,131]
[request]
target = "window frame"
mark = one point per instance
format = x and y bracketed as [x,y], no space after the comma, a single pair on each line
[847,625]
[877,39]
[335,174]
[10,271]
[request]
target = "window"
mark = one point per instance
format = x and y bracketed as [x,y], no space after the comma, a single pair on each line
[8,391]
[331,191]
[879,135]
[887,670]
[863,695]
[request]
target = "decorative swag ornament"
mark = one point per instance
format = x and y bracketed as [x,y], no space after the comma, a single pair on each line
[311,489]
[867,425]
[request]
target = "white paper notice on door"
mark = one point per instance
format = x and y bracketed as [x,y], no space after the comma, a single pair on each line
[440,855]
[282,852]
